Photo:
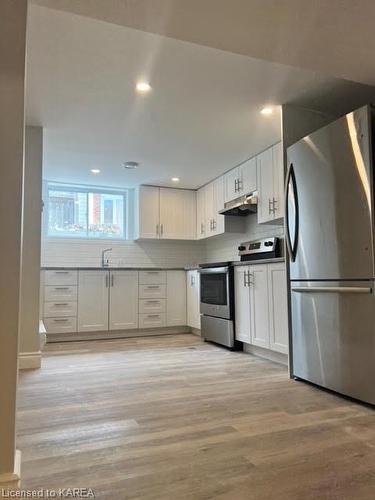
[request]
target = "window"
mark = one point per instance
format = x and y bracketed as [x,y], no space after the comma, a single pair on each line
[85,212]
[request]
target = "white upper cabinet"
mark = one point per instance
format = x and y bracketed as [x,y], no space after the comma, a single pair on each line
[147,214]
[219,200]
[231,184]
[248,176]
[176,298]
[278,172]
[241,180]
[214,202]
[270,174]
[123,302]
[193,299]
[165,213]
[201,213]
[177,214]
[93,301]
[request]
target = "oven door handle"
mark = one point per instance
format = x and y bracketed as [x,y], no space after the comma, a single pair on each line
[214,270]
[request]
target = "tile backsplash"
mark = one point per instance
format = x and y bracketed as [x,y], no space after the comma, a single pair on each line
[153,253]
[80,253]
[223,248]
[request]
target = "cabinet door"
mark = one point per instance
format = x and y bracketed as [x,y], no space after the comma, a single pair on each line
[242,304]
[265,186]
[278,307]
[278,181]
[209,208]
[177,214]
[192,299]
[259,305]
[147,212]
[201,214]
[123,300]
[231,184]
[248,176]
[176,298]
[93,301]
[218,204]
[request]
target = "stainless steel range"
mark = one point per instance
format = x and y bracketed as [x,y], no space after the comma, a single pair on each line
[265,248]
[217,291]
[217,303]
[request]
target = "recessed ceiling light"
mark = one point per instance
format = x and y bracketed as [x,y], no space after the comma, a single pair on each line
[95,171]
[130,165]
[175,179]
[143,87]
[266,110]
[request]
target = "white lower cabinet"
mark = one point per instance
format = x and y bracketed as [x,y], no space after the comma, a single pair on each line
[123,300]
[193,299]
[242,304]
[113,300]
[60,325]
[93,300]
[149,306]
[176,298]
[278,307]
[154,320]
[261,306]
[259,316]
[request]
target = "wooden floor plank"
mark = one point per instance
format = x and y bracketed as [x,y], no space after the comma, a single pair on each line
[175,418]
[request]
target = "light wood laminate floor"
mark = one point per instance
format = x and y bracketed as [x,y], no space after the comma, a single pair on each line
[174,418]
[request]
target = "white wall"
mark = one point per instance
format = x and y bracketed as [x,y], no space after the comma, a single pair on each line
[224,247]
[82,252]
[32,199]
[12,87]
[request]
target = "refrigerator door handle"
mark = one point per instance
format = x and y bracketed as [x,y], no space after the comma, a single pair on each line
[291,181]
[331,289]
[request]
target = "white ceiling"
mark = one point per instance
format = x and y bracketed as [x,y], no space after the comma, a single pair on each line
[335,37]
[201,118]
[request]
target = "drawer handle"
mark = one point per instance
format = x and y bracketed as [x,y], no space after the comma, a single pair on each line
[61,272]
[153,302]
[60,304]
[153,316]
[60,320]
[153,287]
[62,288]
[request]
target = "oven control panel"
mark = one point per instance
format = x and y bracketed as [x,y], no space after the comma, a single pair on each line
[263,248]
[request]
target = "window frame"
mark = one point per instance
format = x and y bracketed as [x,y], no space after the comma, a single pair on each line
[80,188]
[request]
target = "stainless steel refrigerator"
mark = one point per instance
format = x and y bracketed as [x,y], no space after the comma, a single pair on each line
[330,240]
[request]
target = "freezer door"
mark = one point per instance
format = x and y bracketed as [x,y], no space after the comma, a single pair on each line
[333,333]
[329,204]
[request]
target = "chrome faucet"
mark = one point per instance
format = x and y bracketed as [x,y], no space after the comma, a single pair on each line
[105,262]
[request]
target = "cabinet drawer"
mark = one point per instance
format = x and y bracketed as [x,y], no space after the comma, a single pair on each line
[152,291]
[61,277]
[60,325]
[60,308]
[152,277]
[152,320]
[152,306]
[60,293]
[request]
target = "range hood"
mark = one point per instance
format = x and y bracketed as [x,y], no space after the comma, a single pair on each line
[244,205]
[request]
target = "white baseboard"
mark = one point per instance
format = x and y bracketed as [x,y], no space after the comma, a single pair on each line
[29,360]
[276,357]
[119,334]
[12,480]
[195,331]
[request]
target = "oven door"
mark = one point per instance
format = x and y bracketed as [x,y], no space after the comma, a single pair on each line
[214,284]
